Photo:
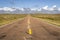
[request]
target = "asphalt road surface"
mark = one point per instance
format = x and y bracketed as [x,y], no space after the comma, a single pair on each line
[29,28]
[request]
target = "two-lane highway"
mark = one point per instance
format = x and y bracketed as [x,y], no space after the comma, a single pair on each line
[30,26]
[44,31]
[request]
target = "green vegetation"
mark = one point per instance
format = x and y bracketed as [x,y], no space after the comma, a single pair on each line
[7,18]
[51,18]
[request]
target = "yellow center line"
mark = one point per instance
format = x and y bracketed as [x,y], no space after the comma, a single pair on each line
[29,29]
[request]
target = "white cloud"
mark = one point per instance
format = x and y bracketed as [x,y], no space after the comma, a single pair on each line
[54,6]
[39,9]
[45,7]
[0,8]
[33,9]
[7,9]
[59,9]
[22,9]
[51,9]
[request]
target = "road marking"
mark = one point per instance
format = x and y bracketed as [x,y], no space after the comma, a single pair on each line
[29,29]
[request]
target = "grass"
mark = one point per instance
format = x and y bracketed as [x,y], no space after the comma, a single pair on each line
[7,18]
[51,18]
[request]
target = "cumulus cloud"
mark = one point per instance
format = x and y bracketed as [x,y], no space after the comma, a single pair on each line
[51,9]
[22,9]
[54,6]
[59,9]
[45,7]
[7,9]
[33,9]
[39,9]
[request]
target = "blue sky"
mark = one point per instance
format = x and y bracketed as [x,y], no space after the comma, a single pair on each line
[29,3]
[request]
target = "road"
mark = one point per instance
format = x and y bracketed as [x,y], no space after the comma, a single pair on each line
[30,28]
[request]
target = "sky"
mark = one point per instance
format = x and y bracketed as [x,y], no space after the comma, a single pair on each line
[29,3]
